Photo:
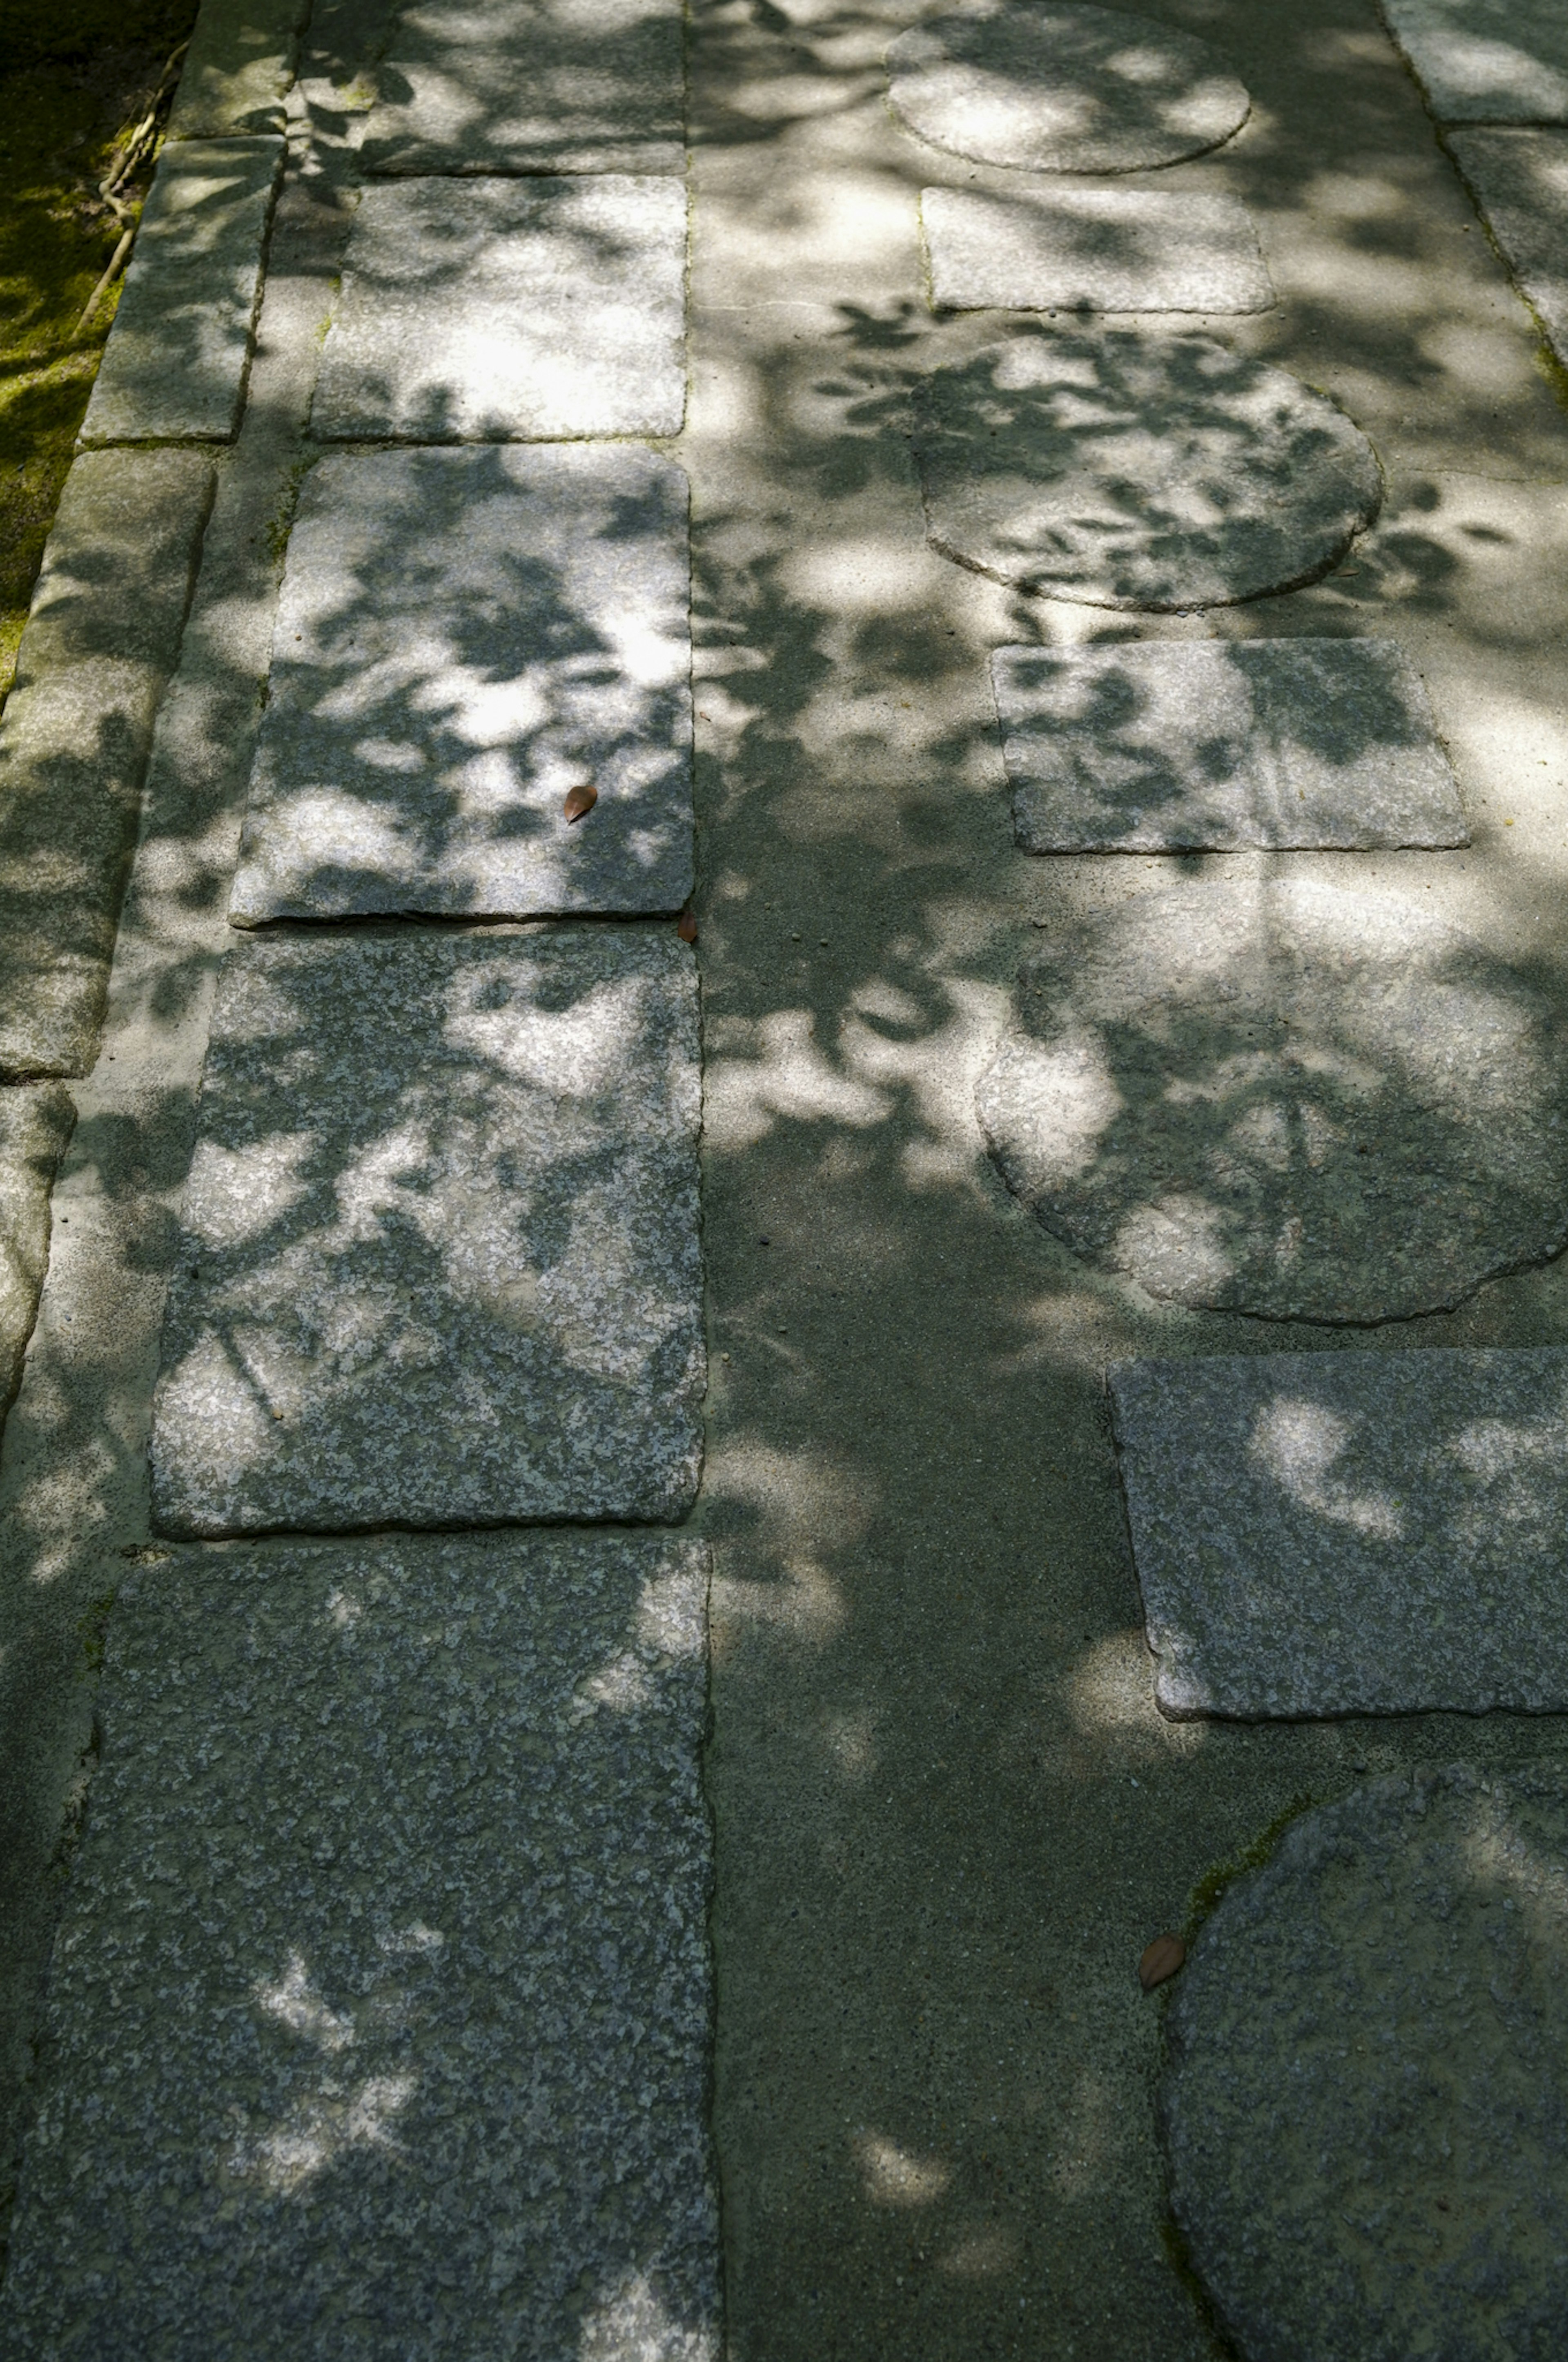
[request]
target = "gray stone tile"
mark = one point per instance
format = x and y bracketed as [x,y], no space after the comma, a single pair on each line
[463,634]
[1365,2106]
[493,86]
[381,2007]
[1162,745]
[1351,1533]
[1121,469]
[1486,61]
[100,642]
[1520,182]
[1265,1093]
[36,1122]
[482,310]
[1092,250]
[238,68]
[441,1262]
[179,353]
[1062,89]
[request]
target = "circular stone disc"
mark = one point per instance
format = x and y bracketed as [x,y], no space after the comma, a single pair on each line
[1126,470]
[1285,1098]
[1365,2111]
[1062,89]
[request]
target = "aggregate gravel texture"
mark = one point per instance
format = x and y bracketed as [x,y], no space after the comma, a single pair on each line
[1122,469]
[1486,61]
[379,2014]
[1172,744]
[492,87]
[463,634]
[238,68]
[1351,1533]
[1365,2109]
[1092,249]
[440,1261]
[1286,1098]
[495,310]
[1051,89]
[36,1121]
[1520,182]
[178,354]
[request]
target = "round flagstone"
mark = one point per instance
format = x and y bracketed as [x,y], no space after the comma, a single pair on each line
[1285,1098]
[1062,89]
[1365,2108]
[1121,470]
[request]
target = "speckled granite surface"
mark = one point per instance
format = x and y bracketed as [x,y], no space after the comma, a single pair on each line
[1100,249]
[1486,61]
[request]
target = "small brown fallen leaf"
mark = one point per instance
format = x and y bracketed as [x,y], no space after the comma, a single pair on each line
[1160,1959]
[581,800]
[686,926]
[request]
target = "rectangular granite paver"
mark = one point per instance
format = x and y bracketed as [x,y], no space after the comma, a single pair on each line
[531,310]
[464,634]
[1487,61]
[1351,1532]
[378,2021]
[238,68]
[179,353]
[1161,746]
[1520,182]
[506,86]
[36,1121]
[440,1261]
[1099,249]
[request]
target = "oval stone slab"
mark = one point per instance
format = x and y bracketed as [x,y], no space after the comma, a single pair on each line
[1062,89]
[1366,2112]
[1121,470]
[1284,1097]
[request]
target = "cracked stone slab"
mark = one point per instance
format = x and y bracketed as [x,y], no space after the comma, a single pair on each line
[1486,61]
[488,310]
[462,635]
[1092,250]
[1061,89]
[440,1261]
[238,68]
[178,356]
[1520,182]
[1351,1533]
[101,640]
[1171,745]
[1364,2111]
[1282,1097]
[1121,469]
[490,87]
[36,1122]
[435,2080]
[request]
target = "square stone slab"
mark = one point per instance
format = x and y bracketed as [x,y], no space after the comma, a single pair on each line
[462,635]
[1486,61]
[379,2012]
[1097,249]
[1165,746]
[1351,1532]
[503,86]
[178,356]
[478,311]
[1520,182]
[440,1263]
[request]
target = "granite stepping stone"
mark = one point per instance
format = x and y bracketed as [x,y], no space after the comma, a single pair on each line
[1520,182]
[1486,61]
[463,634]
[1061,89]
[1174,745]
[1092,249]
[440,1262]
[380,2009]
[1365,2111]
[238,70]
[479,311]
[493,86]
[1275,1095]
[1121,470]
[36,1122]
[1351,1533]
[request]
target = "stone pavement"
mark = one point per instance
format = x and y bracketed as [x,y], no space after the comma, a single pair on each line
[579,1750]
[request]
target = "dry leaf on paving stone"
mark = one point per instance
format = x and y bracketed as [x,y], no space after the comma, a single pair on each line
[581,800]
[685,927]
[1160,1959]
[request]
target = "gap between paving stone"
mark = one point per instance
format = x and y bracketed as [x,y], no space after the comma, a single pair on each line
[1519,180]
[238,68]
[1486,61]
[1092,249]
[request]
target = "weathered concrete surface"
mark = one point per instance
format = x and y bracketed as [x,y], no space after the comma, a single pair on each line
[1351,1533]
[1061,89]
[557,86]
[101,639]
[1486,61]
[379,2012]
[1364,2110]
[35,1124]
[1520,182]
[484,310]
[462,635]
[178,354]
[238,68]
[1163,745]
[1127,471]
[1092,249]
